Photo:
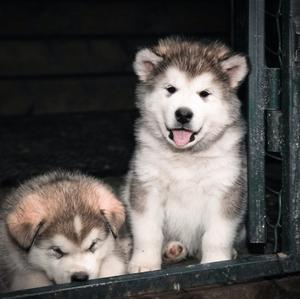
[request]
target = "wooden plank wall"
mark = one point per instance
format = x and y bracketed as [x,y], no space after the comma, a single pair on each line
[98,143]
[66,56]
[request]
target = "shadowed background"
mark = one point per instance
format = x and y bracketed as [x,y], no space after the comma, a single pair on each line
[70,56]
[66,80]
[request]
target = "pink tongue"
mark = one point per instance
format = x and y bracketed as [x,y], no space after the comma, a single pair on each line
[181,137]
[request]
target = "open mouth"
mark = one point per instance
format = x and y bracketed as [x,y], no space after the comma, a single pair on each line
[182,137]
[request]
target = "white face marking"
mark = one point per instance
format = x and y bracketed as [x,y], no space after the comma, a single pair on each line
[210,113]
[64,243]
[87,257]
[77,225]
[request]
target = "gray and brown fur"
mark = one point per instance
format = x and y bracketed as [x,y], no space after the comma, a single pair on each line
[149,177]
[193,58]
[47,205]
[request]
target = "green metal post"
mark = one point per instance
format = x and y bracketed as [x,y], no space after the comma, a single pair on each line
[256,127]
[291,126]
[273,112]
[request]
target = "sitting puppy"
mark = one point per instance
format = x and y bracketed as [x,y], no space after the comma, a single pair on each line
[60,227]
[187,179]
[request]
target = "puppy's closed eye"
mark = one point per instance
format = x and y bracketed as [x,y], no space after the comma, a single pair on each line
[57,252]
[93,246]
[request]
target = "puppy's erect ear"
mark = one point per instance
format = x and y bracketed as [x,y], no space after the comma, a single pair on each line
[236,67]
[25,220]
[144,63]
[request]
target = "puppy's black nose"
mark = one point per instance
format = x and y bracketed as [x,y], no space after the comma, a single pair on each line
[183,115]
[79,276]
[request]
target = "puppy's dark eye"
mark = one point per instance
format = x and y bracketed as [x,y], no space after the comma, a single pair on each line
[57,252]
[204,94]
[93,247]
[171,89]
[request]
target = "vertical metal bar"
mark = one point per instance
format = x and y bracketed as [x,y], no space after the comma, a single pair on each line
[291,127]
[273,113]
[272,76]
[256,127]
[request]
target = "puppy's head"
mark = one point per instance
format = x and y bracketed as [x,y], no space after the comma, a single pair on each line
[187,90]
[67,228]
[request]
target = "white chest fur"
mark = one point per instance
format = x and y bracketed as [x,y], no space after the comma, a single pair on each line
[191,190]
[193,195]
[184,201]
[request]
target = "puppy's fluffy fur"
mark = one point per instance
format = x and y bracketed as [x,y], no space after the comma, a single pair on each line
[61,227]
[187,182]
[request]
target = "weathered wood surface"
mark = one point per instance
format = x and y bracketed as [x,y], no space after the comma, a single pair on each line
[285,288]
[94,17]
[97,143]
[71,94]
[259,277]
[71,56]
[65,56]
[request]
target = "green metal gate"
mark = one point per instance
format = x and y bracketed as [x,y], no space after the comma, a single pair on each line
[273,145]
[274,123]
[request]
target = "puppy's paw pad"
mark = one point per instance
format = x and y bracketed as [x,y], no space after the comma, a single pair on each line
[174,251]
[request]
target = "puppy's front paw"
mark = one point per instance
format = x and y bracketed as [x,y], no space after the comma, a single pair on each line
[174,252]
[143,263]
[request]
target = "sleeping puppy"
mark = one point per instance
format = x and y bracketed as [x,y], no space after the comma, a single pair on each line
[61,227]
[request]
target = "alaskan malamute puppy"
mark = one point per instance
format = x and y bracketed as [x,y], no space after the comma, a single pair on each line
[60,227]
[186,189]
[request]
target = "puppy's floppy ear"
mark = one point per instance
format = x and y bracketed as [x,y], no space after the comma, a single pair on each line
[112,209]
[145,61]
[25,220]
[236,67]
